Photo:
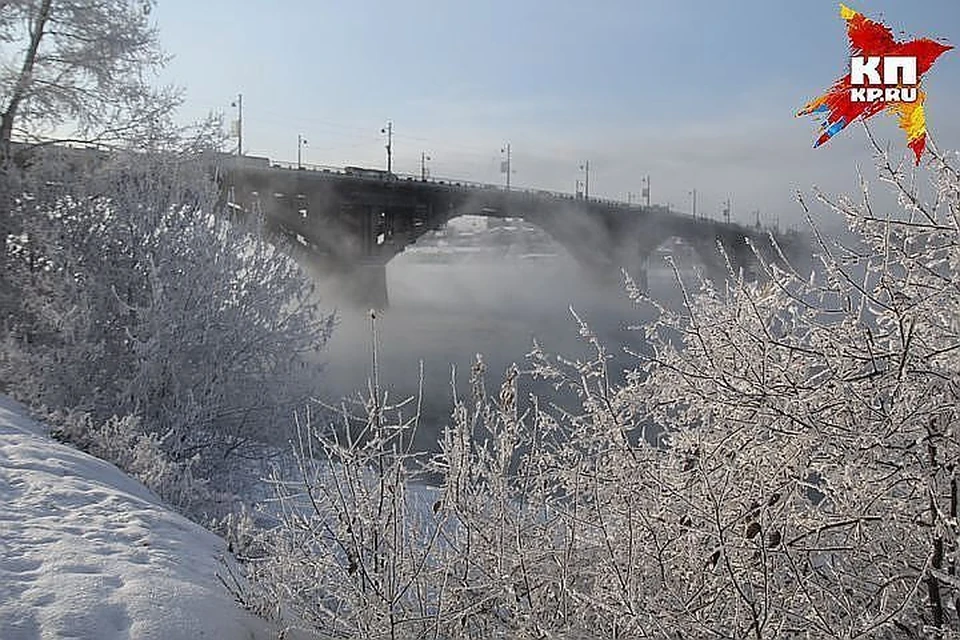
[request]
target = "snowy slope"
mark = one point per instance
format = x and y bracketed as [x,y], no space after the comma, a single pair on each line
[87,552]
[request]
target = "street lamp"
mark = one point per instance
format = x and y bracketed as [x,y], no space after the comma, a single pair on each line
[585,167]
[301,143]
[388,130]
[423,165]
[505,164]
[238,103]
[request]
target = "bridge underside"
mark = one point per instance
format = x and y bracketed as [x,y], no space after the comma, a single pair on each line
[349,229]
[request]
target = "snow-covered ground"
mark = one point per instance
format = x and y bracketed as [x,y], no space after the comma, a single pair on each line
[88,552]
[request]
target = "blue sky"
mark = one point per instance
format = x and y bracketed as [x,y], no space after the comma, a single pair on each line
[699,94]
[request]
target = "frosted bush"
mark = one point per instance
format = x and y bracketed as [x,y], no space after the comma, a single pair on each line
[137,297]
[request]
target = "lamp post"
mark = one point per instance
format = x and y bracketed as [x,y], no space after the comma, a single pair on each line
[301,143]
[423,165]
[585,167]
[505,164]
[388,130]
[238,103]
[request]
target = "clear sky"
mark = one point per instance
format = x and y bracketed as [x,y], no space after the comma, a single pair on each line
[698,94]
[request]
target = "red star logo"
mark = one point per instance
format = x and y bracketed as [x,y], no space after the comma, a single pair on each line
[840,106]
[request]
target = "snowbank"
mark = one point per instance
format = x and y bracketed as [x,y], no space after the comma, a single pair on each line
[88,552]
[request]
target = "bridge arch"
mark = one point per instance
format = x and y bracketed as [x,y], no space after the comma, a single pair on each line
[605,244]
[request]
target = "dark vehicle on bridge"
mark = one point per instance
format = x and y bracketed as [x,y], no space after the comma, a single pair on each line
[360,172]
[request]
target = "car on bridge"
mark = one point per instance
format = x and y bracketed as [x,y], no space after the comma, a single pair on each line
[361,172]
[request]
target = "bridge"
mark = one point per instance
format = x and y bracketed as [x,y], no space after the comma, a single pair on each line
[351,222]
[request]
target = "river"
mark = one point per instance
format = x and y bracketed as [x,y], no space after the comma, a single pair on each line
[443,314]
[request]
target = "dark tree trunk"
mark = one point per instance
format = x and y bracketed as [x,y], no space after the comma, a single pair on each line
[24,79]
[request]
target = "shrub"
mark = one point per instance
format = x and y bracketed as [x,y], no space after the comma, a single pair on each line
[138,297]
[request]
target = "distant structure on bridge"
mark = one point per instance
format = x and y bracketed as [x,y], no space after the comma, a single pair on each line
[351,222]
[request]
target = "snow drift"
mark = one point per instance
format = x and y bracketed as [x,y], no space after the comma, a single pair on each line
[87,552]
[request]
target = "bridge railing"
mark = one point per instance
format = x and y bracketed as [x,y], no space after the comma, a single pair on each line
[447,182]
[538,193]
[323,168]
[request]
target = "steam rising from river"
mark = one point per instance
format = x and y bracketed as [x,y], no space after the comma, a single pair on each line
[444,313]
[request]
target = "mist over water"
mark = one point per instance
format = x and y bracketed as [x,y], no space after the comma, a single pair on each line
[494,305]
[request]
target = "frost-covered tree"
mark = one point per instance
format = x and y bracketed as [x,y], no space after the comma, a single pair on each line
[814,422]
[781,463]
[80,69]
[166,336]
[138,295]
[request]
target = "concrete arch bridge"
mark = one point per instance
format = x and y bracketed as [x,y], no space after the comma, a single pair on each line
[351,222]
